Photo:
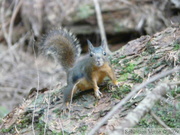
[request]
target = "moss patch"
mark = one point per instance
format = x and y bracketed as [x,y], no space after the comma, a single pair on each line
[121,92]
[167,113]
[176,47]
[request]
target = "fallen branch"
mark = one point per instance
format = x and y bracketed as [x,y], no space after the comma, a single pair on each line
[144,106]
[162,123]
[174,104]
[128,97]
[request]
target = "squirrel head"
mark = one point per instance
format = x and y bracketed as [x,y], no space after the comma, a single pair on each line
[97,54]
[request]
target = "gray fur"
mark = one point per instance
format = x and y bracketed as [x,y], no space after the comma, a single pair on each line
[51,45]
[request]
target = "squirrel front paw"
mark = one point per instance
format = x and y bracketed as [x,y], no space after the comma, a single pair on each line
[116,83]
[98,94]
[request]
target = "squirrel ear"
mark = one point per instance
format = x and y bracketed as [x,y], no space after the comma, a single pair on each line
[90,46]
[103,45]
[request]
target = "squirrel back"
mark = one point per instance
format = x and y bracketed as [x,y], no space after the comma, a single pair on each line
[63,46]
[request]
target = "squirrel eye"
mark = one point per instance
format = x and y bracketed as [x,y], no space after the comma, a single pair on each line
[91,54]
[104,53]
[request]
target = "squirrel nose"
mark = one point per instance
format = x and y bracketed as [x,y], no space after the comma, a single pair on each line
[98,59]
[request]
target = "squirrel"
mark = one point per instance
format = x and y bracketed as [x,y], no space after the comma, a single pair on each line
[82,75]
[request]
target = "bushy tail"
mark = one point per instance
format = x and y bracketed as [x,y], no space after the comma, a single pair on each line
[63,46]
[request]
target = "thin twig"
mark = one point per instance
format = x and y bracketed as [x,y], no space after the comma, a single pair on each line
[128,97]
[47,114]
[3,22]
[16,45]
[100,24]
[8,36]
[16,129]
[5,34]
[15,11]
[126,2]
[137,94]
[37,93]
[162,123]
[171,103]
[174,83]
[60,123]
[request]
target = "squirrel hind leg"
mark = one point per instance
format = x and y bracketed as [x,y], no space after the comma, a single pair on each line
[68,96]
[64,108]
[77,77]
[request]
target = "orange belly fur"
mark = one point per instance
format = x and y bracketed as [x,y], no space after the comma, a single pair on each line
[85,85]
[98,73]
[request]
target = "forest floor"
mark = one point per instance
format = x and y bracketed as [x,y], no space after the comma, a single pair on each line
[135,63]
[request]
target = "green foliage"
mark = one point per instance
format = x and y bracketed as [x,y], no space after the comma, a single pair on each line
[144,53]
[40,127]
[82,117]
[114,61]
[9,130]
[56,111]
[152,60]
[25,122]
[175,92]
[56,133]
[146,71]
[122,91]
[137,78]
[147,122]
[150,48]
[125,61]
[122,57]
[128,68]
[176,47]
[59,133]
[123,77]
[167,113]
[154,63]
[158,64]
[84,128]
